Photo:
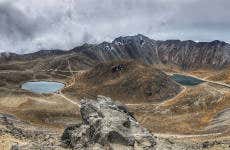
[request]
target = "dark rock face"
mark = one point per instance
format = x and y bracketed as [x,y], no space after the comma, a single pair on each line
[107,124]
[186,54]
[123,48]
[189,54]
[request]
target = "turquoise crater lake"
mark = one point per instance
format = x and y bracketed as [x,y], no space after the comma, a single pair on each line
[42,87]
[186,80]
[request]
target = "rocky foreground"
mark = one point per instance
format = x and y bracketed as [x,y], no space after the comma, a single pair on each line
[106,125]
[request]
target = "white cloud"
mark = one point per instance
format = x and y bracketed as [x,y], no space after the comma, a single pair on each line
[30,25]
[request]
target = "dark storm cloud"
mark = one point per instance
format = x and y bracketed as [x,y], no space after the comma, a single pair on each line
[14,24]
[203,14]
[29,25]
[202,20]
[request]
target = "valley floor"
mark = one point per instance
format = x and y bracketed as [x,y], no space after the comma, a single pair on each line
[196,115]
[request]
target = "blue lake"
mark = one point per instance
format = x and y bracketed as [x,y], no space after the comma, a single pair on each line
[186,80]
[42,87]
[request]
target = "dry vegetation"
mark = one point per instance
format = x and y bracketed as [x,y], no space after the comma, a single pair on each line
[127,81]
[222,76]
[37,109]
[189,113]
[7,141]
[148,91]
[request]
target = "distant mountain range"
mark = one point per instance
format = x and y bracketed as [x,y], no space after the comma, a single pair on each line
[185,54]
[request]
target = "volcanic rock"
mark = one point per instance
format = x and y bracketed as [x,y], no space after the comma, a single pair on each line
[107,125]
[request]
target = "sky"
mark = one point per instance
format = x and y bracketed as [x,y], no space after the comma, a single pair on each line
[31,25]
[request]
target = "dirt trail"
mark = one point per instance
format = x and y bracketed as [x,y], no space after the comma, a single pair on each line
[69,100]
[165,103]
[172,99]
[73,74]
[221,120]
[162,103]
[178,136]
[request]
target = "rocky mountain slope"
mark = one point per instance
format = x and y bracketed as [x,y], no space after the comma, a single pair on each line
[185,54]
[157,102]
[135,81]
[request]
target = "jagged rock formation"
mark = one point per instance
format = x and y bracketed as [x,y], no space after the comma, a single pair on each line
[107,124]
[192,55]
[132,47]
[185,54]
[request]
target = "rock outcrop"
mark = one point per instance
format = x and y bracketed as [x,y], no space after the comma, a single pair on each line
[23,135]
[107,125]
[185,54]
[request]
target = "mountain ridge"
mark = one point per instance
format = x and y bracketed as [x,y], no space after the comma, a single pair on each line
[185,54]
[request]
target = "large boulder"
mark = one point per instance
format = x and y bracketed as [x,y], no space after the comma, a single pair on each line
[107,125]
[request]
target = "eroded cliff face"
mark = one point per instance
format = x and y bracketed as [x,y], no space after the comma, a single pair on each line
[185,54]
[191,55]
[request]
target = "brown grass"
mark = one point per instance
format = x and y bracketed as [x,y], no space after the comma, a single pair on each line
[41,110]
[133,83]
[189,113]
[223,76]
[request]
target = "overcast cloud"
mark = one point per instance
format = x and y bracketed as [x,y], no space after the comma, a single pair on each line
[30,25]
